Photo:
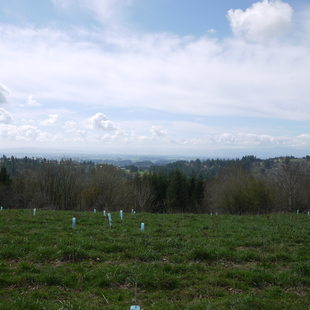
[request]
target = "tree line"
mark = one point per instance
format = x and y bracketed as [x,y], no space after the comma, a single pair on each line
[246,186]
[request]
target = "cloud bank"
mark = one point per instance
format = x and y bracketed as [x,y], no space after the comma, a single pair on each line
[196,76]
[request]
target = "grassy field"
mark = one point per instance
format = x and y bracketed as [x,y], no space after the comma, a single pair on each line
[179,262]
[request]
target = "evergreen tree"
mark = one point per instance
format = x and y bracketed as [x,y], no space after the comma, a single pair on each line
[4,177]
[178,192]
[159,183]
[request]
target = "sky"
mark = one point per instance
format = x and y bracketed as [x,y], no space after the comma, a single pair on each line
[156,77]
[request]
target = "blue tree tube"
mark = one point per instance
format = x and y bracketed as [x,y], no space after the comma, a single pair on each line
[1,209]
[34,211]
[121,214]
[142,227]
[95,210]
[132,211]
[104,213]
[110,219]
[73,223]
[134,307]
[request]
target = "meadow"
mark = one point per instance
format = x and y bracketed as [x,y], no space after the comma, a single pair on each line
[180,261]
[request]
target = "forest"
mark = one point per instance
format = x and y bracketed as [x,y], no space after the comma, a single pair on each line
[236,186]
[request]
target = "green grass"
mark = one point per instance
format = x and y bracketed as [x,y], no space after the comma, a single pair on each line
[180,262]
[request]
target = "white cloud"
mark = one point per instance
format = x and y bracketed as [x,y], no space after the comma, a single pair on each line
[4,92]
[23,133]
[185,75]
[76,131]
[199,76]
[100,121]
[27,121]
[251,140]
[109,12]
[263,21]
[51,120]
[70,126]
[5,117]
[32,102]
[158,132]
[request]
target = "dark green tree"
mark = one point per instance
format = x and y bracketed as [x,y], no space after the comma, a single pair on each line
[178,192]
[4,177]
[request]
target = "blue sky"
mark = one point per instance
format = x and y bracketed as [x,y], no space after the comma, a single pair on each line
[168,77]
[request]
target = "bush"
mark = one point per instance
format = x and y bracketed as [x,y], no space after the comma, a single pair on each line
[238,192]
